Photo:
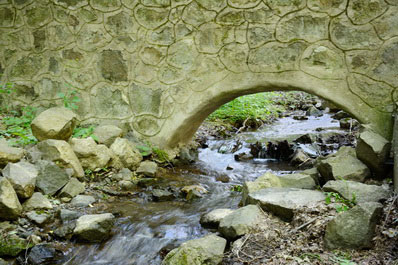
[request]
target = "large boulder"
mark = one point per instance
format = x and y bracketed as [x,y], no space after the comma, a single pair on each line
[94,228]
[107,134]
[37,202]
[22,176]
[244,220]
[361,192]
[61,152]
[73,188]
[213,218]
[283,202]
[373,149]
[90,154]
[128,154]
[343,165]
[354,228]
[147,168]
[300,181]
[267,180]
[55,123]
[51,178]
[9,154]
[10,208]
[206,250]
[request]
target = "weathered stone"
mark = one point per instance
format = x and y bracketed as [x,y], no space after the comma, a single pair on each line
[386,25]
[113,66]
[72,188]
[13,245]
[234,57]
[9,154]
[107,134]
[386,64]
[54,123]
[300,181]
[373,149]
[362,12]
[268,180]
[82,200]
[7,15]
[212,219]
[285,6]
[127,152]
[106,5]
[94,228]
[61,152]
[37,202]
[258,35]
[38,217]
[68,215]
[147,168]
[354,228]
[194,191]
[90,155]
[345,166]
[150,17]
[299,157]
[22,176]
[92,37]
[205,250]
[119,24]
[283,202]
[51,178]
[10,208]
[215,5]
[360,192]
[37,15]
[245,220]
[332,7]
[196,15]
[43,254]
[127,185]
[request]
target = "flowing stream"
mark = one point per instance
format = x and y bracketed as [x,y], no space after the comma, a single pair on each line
[144,228]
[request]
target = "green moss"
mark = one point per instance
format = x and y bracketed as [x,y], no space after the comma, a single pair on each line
[12,246]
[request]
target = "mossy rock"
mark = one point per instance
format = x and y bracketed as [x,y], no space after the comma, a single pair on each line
[13,245]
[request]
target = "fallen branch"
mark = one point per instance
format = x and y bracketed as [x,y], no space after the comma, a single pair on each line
[304,225]
[243,126]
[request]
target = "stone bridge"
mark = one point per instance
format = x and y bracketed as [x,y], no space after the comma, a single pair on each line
[163,66]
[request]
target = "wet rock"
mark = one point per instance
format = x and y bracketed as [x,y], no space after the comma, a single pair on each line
[107,134]
[373,150]
[205,250]
[68,215]
[51,178]
[39,218]
[243,157]
[94,228]
[187,156]
[313,111]
[300,181]
[73,188]
[354,228]
[300,117]
[341,115]
[66,230]
[54,123]
[343,164]
[361,192]
[280,150]
[244,220]
[127,153]
[223,178]
[90,154]
[306,139]
[123,174]
[12,245]
[147,168]
[61,152]
[213,218]
[193,191]
[267,180]
[299,158]
[10,208]
[82,200]
[22,176]
[37,202]
[283,202]
[162,195]
[9,154]
[348,123]
[43,254]
[127,185]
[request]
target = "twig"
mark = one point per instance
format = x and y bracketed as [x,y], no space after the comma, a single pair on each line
[389,210]
[240,247]
[243,125]
[304,225]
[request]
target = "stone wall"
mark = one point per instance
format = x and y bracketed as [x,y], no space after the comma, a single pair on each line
[164,65]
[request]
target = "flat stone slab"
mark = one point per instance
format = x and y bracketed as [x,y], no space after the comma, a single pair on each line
[213,218]
[284,201]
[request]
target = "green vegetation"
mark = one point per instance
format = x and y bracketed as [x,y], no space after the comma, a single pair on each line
[237,188]
[84,132]
[342,204]
[70,98]
[11,245]
[157,154]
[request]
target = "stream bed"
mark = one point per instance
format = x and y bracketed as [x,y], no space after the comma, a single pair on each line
[145,230]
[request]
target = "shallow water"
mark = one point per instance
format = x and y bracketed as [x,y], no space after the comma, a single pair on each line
[144,228]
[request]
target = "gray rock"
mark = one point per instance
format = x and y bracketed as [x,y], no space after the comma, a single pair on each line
[362,192]
[73,188]
[10,208]
[313,111]
[348,123]
[162,195]
[51,178]
[123,174]
[354,228]
[245,220]
[90,154]
[61,152]
[127,185]
[66,230]
[267,180]
[283,202]
[94,228]
[343,165]
[9,154]
[193,191]
[36,202]
[299,157]
[22,176]
[147,168]
[341,115]
[38,218]
[373,150]
[212,219]
[107,134]
[207,250]
[187,156]
[42,254]
[54,123]
[300,181]
[68,215]
[82,200]
[313,173]
[128,154]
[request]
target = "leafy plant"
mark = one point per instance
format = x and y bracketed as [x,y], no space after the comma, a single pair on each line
[144,150]
[84,132]
[5,91]
[160,154]
[342,203]
[69,99]
[342,259]
[237,188]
